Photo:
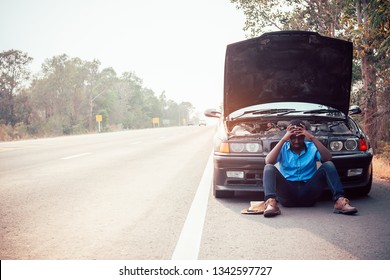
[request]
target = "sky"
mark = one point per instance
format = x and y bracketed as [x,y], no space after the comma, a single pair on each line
[176,46]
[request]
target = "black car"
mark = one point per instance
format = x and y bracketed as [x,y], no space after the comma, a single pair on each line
[273,79]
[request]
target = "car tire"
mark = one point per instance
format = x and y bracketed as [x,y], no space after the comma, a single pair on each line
[366,189]
[363,191]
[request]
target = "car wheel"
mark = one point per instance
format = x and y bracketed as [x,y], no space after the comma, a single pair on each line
[219,193]
[366,189]
[363,191]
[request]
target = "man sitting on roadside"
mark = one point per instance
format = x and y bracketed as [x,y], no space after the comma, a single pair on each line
[298,182]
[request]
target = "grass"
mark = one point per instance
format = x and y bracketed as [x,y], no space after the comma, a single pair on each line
[381,168]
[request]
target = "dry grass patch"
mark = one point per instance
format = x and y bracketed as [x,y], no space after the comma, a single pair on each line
[381,168]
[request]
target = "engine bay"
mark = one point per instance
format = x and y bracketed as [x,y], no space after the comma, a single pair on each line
[276,129]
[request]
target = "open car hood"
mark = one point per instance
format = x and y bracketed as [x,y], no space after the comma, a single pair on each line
[288,66]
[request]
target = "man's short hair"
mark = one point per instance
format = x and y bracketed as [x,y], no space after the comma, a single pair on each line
[301,122]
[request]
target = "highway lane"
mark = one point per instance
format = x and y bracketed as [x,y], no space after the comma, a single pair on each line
[109,196]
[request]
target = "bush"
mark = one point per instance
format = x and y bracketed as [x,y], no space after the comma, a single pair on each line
[6,132]
[9,133]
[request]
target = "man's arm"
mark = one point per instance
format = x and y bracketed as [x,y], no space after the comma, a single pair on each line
[272,157]
[324,152]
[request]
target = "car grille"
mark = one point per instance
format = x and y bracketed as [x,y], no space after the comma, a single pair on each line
[250,179]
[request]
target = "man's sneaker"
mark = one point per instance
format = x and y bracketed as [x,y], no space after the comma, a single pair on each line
[272,208]
[342,207]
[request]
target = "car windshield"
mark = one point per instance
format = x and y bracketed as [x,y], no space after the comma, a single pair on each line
[285,108]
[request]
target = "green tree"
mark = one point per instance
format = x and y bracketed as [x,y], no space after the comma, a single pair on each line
[185,110]
[380,20]
[68,92]
[367,24]
[99,87]
[14,74]
[152,106]
[62,88]
[132,97]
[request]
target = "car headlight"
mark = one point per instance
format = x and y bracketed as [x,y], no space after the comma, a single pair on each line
[239,147]
[336,146]
[350,144]
[252,147]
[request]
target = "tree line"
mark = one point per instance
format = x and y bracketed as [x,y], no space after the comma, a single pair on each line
[67,94]
[366,23]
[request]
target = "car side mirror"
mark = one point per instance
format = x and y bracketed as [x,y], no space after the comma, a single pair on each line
[212,113]
[354,110]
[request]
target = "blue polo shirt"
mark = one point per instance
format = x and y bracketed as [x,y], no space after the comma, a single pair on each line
[300,167]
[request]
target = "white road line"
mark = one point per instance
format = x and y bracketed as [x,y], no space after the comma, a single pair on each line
[187,247]
[76,156]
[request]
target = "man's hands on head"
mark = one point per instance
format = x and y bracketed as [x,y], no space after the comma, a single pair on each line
[296,131]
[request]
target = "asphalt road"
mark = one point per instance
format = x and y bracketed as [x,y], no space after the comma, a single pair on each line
[145,195]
